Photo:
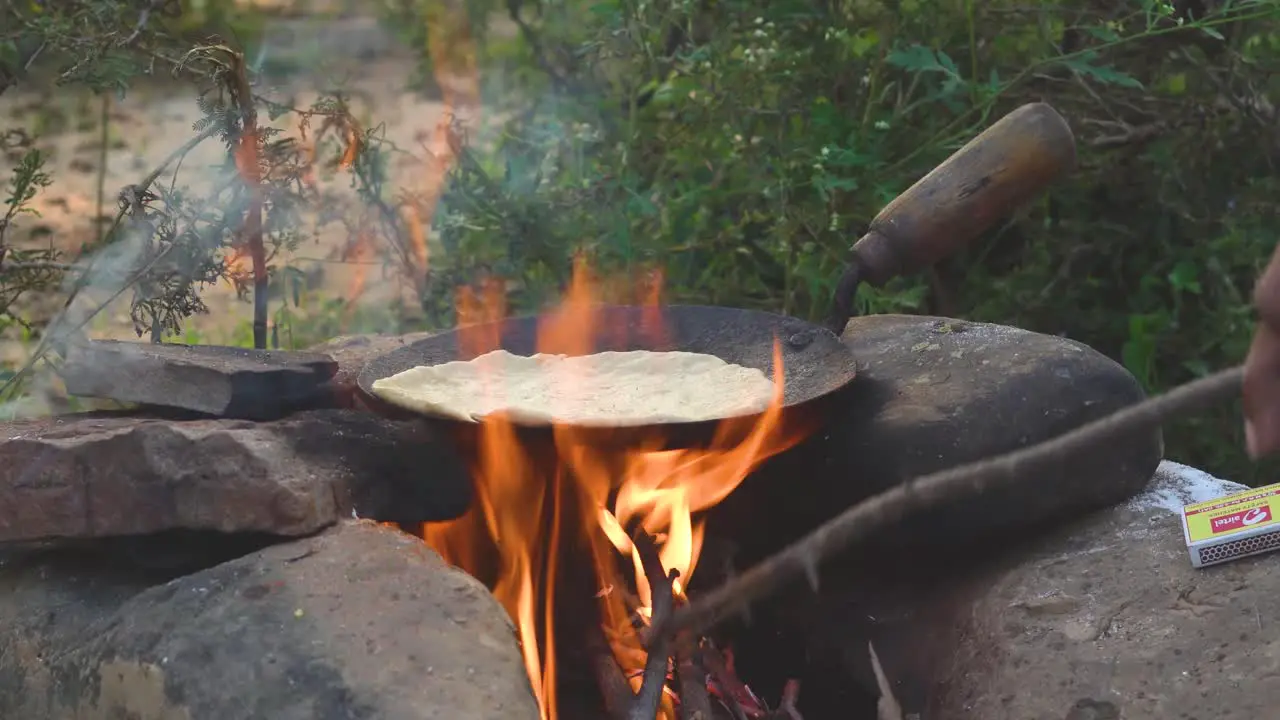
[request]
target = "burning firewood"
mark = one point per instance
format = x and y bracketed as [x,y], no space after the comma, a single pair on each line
[662,589]
[618,697]
[701,669]
[695,701]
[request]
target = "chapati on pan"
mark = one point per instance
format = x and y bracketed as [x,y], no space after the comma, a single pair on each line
[631,388]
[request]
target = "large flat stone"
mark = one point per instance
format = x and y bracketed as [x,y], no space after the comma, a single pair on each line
[90,476]
[358,622]
[934,393]
[1105,618]
[229,382]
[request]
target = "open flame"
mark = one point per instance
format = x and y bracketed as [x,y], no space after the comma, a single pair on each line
[528,511]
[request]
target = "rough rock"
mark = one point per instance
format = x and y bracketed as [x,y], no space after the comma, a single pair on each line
[358,622]
[351,352]
[1101,617]
[1107,618]
[933,393]
[91,476]
[229,382]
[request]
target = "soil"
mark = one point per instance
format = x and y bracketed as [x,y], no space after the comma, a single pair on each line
[156,117]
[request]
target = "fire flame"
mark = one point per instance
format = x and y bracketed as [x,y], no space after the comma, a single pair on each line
[528,511]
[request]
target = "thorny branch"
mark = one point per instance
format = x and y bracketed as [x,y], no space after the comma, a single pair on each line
[889,507]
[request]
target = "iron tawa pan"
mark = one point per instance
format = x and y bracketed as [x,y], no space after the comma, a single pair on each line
[814,361]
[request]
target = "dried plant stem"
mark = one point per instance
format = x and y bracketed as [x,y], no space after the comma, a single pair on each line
[103,138]
[889,507]
[250,170]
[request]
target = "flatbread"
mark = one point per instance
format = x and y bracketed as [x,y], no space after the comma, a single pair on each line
[610,389]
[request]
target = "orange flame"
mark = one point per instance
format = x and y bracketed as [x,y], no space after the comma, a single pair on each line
[530,509]
[526,511]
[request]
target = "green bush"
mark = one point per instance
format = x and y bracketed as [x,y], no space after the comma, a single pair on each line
[743,144]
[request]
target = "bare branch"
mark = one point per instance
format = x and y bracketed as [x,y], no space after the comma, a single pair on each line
[891,506]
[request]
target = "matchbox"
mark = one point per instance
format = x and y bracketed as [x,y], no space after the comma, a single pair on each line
[1234,526]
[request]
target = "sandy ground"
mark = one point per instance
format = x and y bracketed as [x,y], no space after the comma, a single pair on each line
[156,117]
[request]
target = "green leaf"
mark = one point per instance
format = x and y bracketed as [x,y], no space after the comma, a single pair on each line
[1138,351]
[1104,33]
[1185,277]
[1207,30]
[1103,74]
[918,58]
[864,42]
[826,184]
[9,55]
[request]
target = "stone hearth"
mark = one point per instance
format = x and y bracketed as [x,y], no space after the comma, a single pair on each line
[161,564]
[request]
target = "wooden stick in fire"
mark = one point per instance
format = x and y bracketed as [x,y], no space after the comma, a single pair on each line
[880,511]
[662,594]
[695,701]
[618,697]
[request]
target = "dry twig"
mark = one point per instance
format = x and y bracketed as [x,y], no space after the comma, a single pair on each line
[889,507]
[247,158]
[662,592]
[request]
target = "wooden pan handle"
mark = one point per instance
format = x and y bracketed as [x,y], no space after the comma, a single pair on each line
[1001,169]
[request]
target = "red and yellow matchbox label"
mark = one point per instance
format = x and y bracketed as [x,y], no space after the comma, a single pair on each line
[1227,516]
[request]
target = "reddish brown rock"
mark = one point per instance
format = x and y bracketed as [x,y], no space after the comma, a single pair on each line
[91,476]
[357,622]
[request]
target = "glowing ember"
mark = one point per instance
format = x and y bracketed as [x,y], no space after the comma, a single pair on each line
[528,510]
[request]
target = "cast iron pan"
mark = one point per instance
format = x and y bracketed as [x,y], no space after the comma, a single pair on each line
[1001,169]
[814,361]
